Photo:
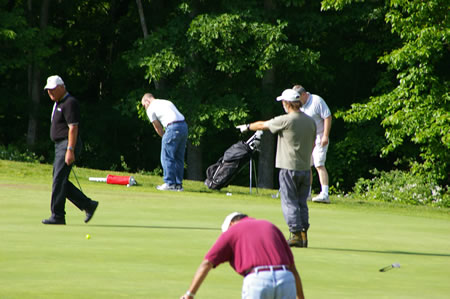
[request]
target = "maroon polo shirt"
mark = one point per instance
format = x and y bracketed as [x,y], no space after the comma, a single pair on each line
[251,243]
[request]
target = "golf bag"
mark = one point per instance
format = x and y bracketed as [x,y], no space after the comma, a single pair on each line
[221,173]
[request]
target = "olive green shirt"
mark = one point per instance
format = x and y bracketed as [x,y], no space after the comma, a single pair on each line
[296,134]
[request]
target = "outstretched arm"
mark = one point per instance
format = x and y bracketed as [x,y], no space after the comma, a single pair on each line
[199,276]
[257,125]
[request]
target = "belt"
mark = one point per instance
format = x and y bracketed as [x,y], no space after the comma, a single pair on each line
[266,268]
[174,122]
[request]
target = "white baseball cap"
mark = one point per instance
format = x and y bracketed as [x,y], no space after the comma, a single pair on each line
[289,95]
[53,81]
[227,221]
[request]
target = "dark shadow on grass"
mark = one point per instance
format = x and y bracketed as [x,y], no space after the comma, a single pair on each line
[150,226]
[384,252]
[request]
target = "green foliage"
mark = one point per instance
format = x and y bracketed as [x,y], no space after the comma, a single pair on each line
[354,156]
[14,153]
[337,4]
[235,43]
[417,108]
[403,187]
[16,36]
[211,48]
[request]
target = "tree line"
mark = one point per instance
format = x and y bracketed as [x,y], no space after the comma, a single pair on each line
[381,66]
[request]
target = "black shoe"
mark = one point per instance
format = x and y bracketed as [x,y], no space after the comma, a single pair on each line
[53,220]
[90,212]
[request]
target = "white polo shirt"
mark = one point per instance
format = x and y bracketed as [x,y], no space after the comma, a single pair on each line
[317,109]
[164,111]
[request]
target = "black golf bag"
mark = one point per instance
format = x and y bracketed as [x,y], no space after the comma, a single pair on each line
[221,173]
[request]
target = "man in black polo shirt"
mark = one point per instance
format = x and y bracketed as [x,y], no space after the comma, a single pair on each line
[64,132]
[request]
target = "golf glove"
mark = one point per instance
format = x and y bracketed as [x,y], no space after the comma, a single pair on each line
[243,128]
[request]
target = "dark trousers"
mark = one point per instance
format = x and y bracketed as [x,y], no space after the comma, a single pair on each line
[294,189]
[62,188]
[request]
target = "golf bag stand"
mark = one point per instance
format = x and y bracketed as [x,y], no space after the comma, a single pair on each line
[221,173]
[253,143]
[252,166]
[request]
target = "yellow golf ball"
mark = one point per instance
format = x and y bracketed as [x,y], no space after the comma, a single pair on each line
[88,236]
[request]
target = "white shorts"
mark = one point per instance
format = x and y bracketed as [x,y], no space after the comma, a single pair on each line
[319,154]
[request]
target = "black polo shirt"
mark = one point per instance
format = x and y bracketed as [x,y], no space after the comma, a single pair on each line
[65,112]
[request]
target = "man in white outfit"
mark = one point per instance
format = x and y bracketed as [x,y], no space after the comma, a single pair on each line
[170,124]
[315,107]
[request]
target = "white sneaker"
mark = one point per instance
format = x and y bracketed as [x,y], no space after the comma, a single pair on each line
[166,187]
[321,198]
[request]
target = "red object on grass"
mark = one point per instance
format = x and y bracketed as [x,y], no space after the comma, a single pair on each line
[117,179]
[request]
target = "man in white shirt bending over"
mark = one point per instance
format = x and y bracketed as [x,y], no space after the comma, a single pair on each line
[315,107]
[170,124]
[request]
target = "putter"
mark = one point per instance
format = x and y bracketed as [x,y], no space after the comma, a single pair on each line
[75,175]
[395,265]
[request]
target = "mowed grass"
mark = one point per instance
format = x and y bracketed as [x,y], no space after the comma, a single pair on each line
[147,244]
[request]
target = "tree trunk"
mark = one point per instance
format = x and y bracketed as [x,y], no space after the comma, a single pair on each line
[194,163]
[195,170]
[142,18]
[266,160]
[34,84]
[158,84]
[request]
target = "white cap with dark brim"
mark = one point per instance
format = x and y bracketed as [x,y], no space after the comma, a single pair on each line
[53,81]
[289,95]
[227,221]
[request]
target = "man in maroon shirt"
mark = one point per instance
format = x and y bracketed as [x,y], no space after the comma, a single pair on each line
[257,250]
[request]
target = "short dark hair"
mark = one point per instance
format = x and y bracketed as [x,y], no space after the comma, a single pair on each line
[238,217]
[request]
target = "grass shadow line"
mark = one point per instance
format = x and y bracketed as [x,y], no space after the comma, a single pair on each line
[150,226]
[383,252]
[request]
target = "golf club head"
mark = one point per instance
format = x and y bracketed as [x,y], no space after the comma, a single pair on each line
[387,268]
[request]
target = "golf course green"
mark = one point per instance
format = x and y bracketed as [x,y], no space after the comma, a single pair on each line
[146,243]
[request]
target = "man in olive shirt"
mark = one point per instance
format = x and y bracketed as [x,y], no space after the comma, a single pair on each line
[64,131]
[296,134]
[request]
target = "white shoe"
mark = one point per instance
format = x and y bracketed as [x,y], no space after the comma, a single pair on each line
[321,198]
[166,187]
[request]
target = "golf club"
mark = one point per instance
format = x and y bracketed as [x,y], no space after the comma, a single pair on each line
[395,265]
[75,175]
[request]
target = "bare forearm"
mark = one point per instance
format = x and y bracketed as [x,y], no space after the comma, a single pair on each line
[258,125]
[158,128]
[160,132]
[71,143]
[199,277]
[72,136]
[298,282]
[327,126]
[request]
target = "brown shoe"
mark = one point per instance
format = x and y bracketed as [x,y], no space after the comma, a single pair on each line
[295,239]
[304,236]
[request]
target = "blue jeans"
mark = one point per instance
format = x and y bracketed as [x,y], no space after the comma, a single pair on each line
[294,189]
[269,285]
[173,148]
